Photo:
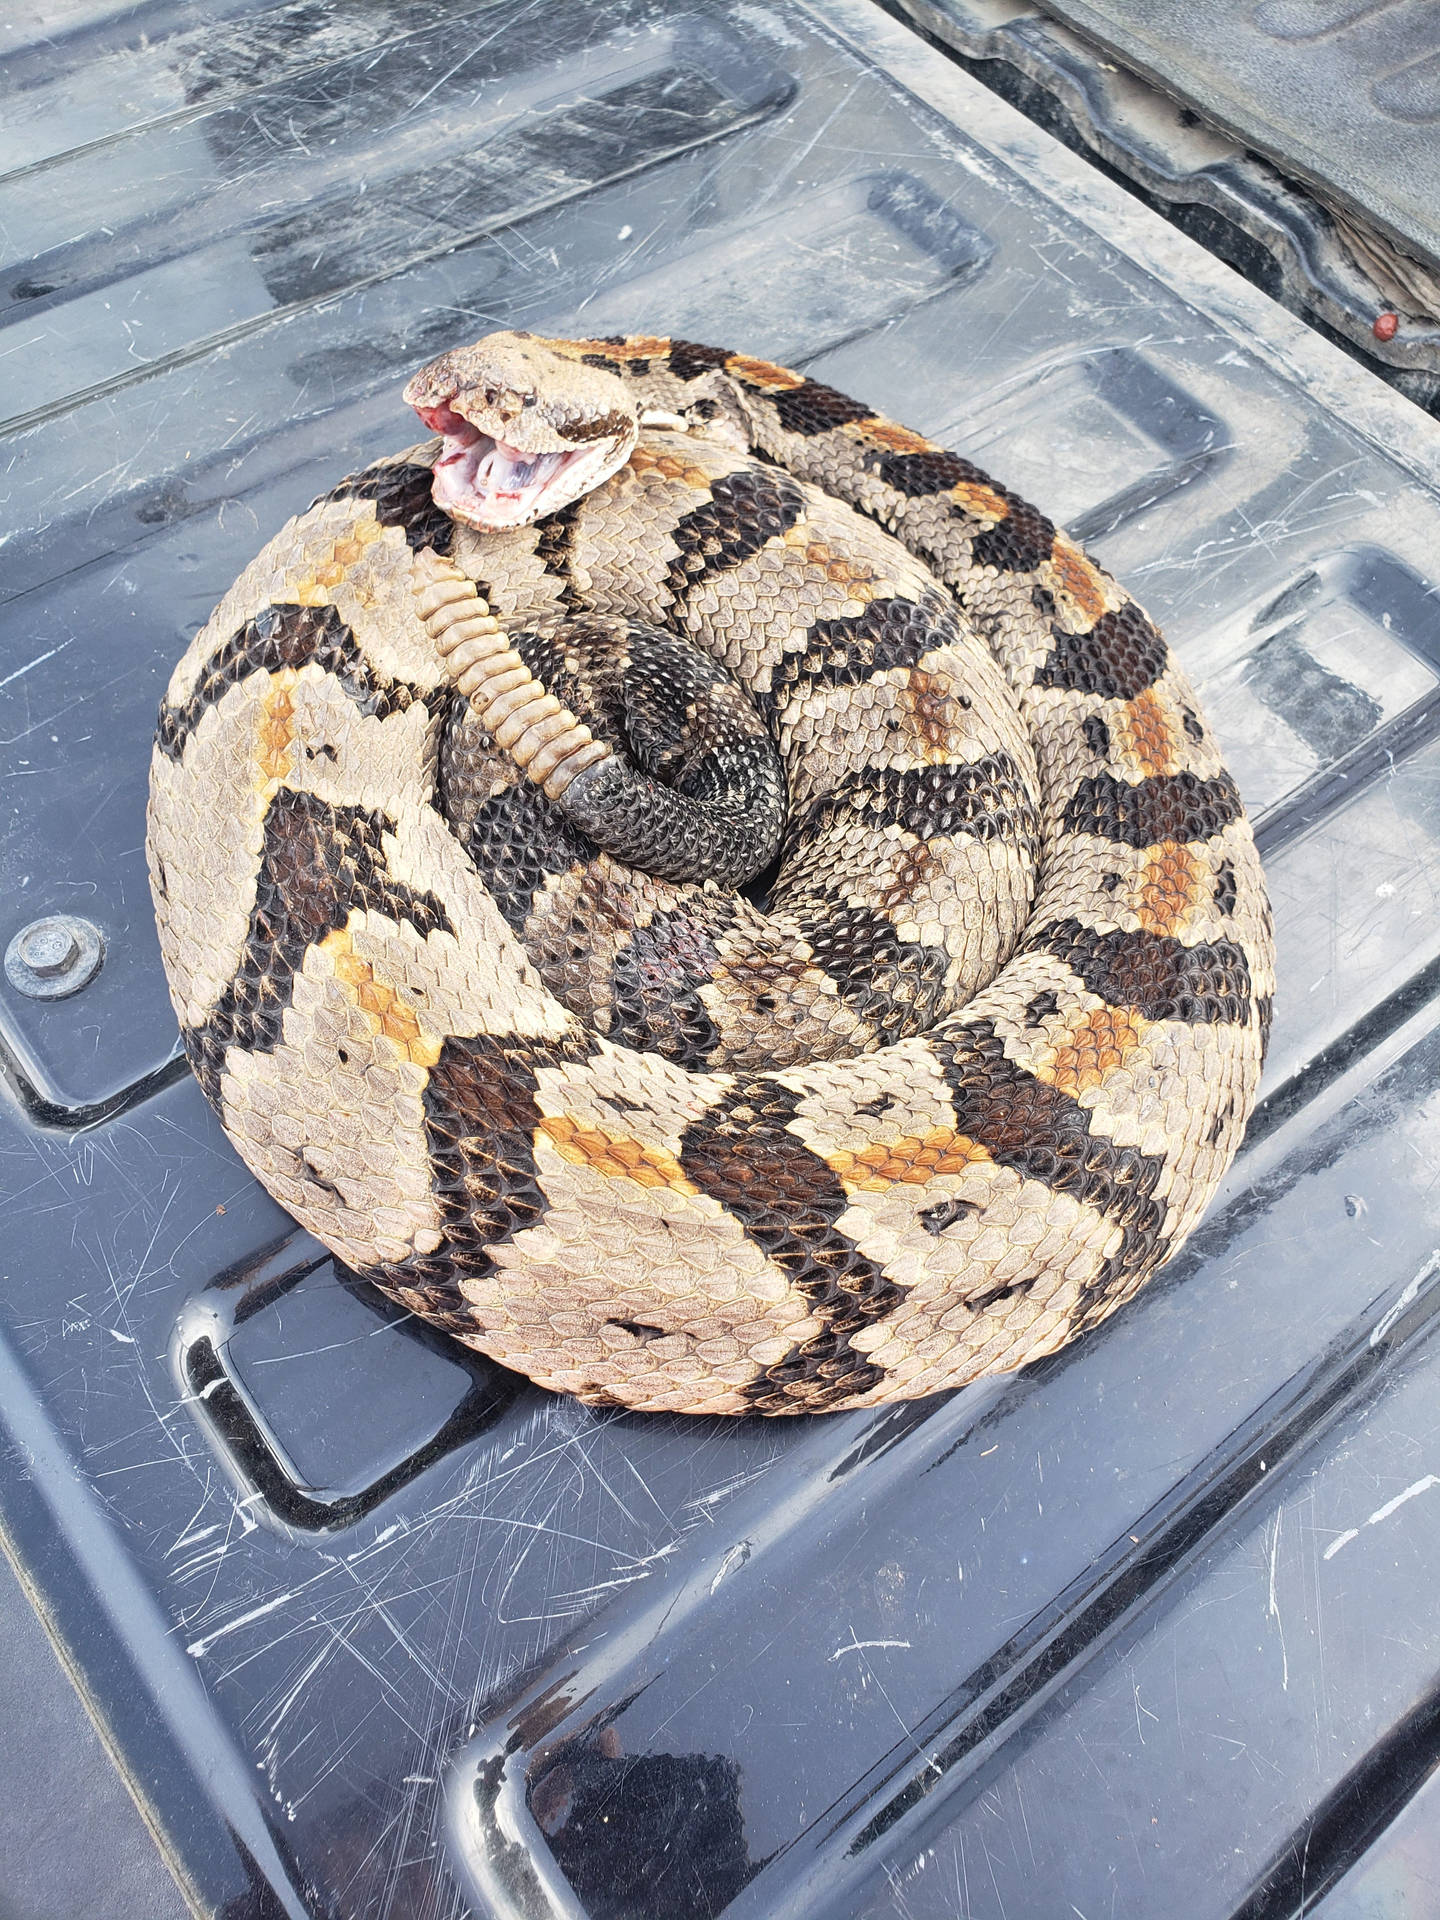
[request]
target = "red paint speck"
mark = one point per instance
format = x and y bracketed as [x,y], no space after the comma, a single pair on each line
[1386,326]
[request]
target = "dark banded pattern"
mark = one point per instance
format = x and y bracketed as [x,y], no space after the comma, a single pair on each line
[1012,538]
[891,632]
[1019,543]
[898,985]
[1117,658]
[811,408]
[290,636]
[1043,1134]
[743,514]
[744,1155]
[918,475]
[481,1119]
[987,799]
[400,492]
[656,979]
[520,838]
[1156,975]
[690,361]
[318,864]
[554,548]
[1169,806]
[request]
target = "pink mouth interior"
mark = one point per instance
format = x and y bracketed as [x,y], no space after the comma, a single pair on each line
[486,481]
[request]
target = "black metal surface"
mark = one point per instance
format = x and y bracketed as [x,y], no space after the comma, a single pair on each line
[378,1630]
[1343,92]
[1399,1873]
[71,1839]
[1327,263]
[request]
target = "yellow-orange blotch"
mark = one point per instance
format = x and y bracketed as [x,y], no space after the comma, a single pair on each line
[670,466]
[885,433]
[855,575]
[981,501]
[1148,733]
[911,868]
[1171,882]
[275,734]
[316,589]
[635,346]
[1073,574]
[642,346]
[617,1157]
[385,1008]
[912,1161]
[1095,1046]
[763,373]
[932,707]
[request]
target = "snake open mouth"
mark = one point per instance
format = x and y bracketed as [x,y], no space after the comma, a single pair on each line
[488,483]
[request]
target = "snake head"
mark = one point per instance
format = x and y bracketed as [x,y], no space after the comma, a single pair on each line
[527,430]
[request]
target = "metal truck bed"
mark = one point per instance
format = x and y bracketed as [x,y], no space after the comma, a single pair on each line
[374,1629]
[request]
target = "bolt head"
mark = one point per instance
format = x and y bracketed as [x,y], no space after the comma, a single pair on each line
[54,957]
[48,947]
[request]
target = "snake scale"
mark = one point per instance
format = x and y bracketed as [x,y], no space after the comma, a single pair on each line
[705,895]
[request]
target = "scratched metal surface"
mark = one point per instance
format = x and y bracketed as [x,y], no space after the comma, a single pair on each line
[377,1630]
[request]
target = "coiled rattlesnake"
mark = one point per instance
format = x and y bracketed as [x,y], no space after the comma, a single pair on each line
[964,1082]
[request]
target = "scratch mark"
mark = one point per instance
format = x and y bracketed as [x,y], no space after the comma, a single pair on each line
[38,661]
[1419,1486]
[855,1646]
[1274,1607]
[1392,1314]
[1423,1485]
[202,1646]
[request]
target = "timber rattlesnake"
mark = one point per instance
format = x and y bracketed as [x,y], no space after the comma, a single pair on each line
[626,1131]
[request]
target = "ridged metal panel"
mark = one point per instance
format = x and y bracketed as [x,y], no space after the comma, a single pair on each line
[380,1630]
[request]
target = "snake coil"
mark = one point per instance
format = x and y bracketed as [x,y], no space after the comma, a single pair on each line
[949,1064]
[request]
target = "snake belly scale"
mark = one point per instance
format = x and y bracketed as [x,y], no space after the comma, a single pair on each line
[432,797]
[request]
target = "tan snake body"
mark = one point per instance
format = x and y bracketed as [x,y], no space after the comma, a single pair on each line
[943,1098]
